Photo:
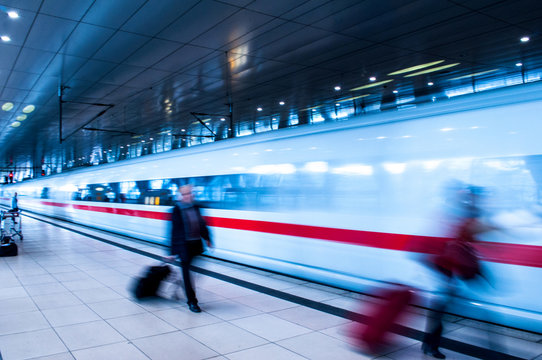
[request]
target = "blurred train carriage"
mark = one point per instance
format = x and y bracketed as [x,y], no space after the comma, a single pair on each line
[348,204]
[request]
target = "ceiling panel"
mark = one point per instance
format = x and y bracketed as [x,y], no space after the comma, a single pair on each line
[201,18]
[120,46]
[183,57]
[33,61]
[155,15]
[94,70]
[122,74]
[232,28]
[69,9]
[49,33]
[86,40]
[147,78]
[275,7]
[112,14]
[8,54]
[21,80]
[152,52]
[13,95]
[64,66]
[32,5]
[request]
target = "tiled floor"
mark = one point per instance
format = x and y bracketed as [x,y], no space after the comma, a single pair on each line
[67,296]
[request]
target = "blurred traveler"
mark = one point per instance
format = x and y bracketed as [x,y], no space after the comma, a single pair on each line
[188,230]
[14,203]
[458,261]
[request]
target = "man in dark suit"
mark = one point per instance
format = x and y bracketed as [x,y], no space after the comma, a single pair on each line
[187,231]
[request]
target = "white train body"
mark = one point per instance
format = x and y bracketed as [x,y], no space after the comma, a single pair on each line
[339,202]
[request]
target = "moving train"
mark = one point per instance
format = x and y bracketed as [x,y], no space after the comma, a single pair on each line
[351,204]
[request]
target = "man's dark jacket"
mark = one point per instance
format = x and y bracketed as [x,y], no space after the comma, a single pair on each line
[179,244]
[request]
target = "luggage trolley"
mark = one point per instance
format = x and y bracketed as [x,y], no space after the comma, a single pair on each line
[11,224]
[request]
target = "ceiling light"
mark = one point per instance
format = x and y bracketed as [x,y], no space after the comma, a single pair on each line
[519,64]
[151,139]
[395,91]
[371,85]
[525,39]
[183,130]
[274,119]
[338,104]
[474,74]
[282,102]
[5,38]
[28,109]
[14,15]
[372,78]
[7,106]
[222,119]
[142,141]
[337,88]
[313,109]
[259,109]
[417,67]
[21,117]
[257,123]
[438,68]
[15,124]
[430,83]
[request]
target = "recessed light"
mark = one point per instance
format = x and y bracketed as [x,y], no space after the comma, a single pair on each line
[313,109]
[273,119]
[372,78]
[259,109]
[183,130]
[28,109]
[395,91]
[151,139]
[337,104]
[257,123]
[281,103]
[5,38]
[525,39]
[21,117]
[222,119]
[7,106]
[13,14]
[15,124]
[519,64]
[430,83]
[337,88]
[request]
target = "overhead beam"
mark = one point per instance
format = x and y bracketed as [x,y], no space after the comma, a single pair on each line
[61,101]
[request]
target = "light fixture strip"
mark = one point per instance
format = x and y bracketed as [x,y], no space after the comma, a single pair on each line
[432,70]
[417,67]
[371,85]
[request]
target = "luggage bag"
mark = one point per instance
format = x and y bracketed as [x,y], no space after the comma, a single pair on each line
[374,336]
[148,285]
[8,249]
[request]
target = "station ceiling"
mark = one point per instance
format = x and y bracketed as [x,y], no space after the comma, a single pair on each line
[156,74]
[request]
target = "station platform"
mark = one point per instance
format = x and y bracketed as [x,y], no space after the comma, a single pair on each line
[67,295]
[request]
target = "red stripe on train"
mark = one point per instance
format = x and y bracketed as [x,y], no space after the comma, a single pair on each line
[514,254]
[113,210]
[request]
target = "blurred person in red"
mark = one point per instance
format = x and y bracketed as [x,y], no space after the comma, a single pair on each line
[457,261]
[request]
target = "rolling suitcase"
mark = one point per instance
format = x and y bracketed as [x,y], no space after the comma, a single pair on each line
[148,285]
[383,316]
